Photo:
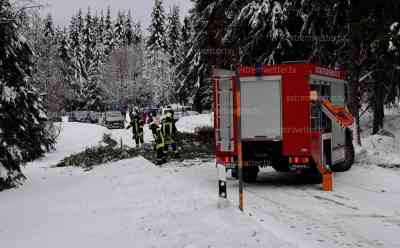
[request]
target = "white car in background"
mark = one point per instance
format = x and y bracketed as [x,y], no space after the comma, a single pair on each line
[113,120]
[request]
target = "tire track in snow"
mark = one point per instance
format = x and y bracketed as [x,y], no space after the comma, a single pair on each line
[322,230]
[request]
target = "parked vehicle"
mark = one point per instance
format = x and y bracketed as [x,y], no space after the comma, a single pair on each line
[54,116]
[94,117]
[84,116]
[113,119]
[186,108]
[190,112]
[71,117]
[292,117]
[81,116]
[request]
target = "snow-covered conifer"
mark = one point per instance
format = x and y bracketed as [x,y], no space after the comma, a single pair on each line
[23,135]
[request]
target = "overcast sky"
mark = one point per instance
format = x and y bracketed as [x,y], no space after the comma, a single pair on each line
[62,10]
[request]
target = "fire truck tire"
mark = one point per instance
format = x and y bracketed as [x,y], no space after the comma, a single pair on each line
[349,155]
[234,173]
[281,164]
[250,174]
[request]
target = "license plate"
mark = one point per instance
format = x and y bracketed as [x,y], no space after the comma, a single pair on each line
[298,166]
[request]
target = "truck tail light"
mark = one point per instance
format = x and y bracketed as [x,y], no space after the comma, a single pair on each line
[299,160]
[227,160]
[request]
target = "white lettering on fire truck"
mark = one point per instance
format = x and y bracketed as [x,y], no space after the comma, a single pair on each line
[327,72]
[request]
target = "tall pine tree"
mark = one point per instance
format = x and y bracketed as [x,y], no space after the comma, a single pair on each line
[174,42]
[89,41]
[157,39]
[157,70]
[91,89]
[209,25]
[174,36]
[259,29]
[109,41]
[183,68]
[100,29]
[129,32]
[23,136]
[137,33]
[119,30]
[49,26]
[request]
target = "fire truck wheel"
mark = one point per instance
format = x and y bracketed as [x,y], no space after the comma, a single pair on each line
[234,173]
[281,164]
[250,174]
[349,155]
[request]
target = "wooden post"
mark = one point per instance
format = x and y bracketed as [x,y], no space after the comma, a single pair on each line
[239,139]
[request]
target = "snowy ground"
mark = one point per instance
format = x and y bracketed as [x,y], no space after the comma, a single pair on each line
[382,149]
[189,123]
[133,203]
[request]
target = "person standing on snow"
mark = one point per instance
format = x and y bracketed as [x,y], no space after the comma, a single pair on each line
[137,127]
[123,109]
[170,132]
[158,143]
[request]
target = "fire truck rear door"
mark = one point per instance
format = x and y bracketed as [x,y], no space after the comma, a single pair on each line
[261,107]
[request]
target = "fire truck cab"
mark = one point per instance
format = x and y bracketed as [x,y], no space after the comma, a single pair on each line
[292,117]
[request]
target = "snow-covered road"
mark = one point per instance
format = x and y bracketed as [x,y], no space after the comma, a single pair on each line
[133,203]
[130,203]
[363,210]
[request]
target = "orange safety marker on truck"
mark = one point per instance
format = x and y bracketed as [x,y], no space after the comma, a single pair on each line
[338,114]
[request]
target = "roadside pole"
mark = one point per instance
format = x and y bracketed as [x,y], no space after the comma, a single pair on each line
[239,138]
[222,180]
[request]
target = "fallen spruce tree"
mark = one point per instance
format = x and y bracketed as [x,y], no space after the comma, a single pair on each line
[191,146]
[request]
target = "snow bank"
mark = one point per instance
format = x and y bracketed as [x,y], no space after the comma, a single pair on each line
[382,149]
[188,124]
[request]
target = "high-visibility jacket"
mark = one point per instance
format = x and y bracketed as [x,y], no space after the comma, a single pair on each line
[169,129]
[137,125]
[158,138]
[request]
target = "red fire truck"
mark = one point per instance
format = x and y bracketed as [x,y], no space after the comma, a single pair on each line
[292,117]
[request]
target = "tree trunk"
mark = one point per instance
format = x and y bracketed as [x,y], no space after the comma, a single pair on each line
[379,111]
[354,68]
[354,95]
[354,103]
[197,102]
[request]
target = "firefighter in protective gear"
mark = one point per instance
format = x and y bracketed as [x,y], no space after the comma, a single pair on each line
[137,128]
[170,132]
[158,143]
